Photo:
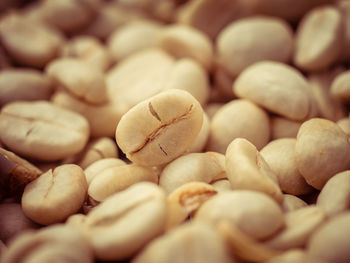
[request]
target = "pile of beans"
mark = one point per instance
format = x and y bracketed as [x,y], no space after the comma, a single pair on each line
[153,131]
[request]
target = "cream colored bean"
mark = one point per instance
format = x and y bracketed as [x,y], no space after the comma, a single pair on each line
[247,169]
[254,213]
[95,150]
[80,79]
[55,195]
[322,150]
[280,156]
[42,130]
[344,124]
[292,203]
[277,87]
[284,128]
[328,107]
[200,142]
[190,76]
[99,166]
[126,221]
[249,40]
[69,16]
[183,41]
[318,39]
[250,122]
[340,88]
[190,243]
[16,30]
[50,243]
[185,200]
[330,242]
[159,129]
[134,37]
[103,119]
[300,225]
[15,172]
[23,84]
[193,167]
[334,197]
[118,178]
[13,221]
[89,50]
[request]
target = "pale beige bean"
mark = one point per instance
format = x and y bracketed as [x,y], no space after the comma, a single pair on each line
[238,119]
[344,124]
[159,129]
[95,150]
[42,130]
[67,15]
[79,78]
[200,142]
[277,87]
[139,77]
[55,195]
[50,243]
[247,169]
[89,50]
[103,119]
[254,213]
[190,243]
[23,84]
[318,39]
[334,197]
[193,167]
[15,172]
[280,156]
[118,178]
[99,166]
[330,243]
[340,88]
[16,30]
[126,221]
[190,76]
[222,185]
[300,225]
[76,221]
[13,221]
[292,203]
[242,245]
[249,40]
[328,106]
[133,37]
[322,150]
[183,41]
[284,128]
[185,200]
[195,13]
